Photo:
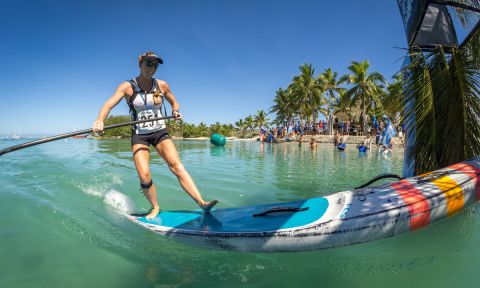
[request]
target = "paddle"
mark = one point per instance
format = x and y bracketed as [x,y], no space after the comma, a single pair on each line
[86,131]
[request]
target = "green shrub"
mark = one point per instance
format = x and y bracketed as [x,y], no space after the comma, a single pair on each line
[122,132]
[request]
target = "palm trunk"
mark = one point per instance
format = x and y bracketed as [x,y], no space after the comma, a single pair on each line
[364,117]
[329,115]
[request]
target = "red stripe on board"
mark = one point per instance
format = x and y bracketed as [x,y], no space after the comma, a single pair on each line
[471,171]
[418,205]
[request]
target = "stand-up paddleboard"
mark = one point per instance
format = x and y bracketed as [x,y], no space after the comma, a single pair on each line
[340,219]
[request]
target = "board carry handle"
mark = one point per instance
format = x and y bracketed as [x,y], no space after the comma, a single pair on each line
[281,209]
[379,177]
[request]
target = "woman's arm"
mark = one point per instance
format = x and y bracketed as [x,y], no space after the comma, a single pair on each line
[109,105]
[170,98]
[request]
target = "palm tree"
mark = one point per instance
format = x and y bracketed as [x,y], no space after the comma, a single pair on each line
[227,129]
[442,105]
[366,87]
[307,93]
[203,129]
[174,127]
[261,119]
[391,99]
[181,126]
[241,125]
[342,104]
[188,130]
[249,123]
[332,88]
[284,106]
[216,128]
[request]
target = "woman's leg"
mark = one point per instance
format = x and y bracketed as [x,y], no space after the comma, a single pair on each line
[166,149]
[141,157]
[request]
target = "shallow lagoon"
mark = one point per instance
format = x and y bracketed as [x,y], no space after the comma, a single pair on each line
[62,225]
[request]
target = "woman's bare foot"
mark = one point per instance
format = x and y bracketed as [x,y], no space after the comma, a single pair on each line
[153,213]
[207,206]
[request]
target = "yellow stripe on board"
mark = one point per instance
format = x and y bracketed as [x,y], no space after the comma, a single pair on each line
[453,193]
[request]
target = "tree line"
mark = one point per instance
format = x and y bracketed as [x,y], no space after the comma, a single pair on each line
[307,97]
[436,94]
[178,128]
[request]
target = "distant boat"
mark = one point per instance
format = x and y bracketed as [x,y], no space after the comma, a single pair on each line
[13,137]
[79,136]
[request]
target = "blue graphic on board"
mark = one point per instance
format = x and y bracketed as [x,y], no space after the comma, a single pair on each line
[244,219]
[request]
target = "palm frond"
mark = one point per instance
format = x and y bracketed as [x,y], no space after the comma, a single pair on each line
[418,90]
[446,111]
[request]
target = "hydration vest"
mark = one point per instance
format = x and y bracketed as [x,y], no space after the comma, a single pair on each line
[142,107]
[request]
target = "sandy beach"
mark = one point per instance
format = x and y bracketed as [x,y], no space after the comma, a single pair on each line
[348,139]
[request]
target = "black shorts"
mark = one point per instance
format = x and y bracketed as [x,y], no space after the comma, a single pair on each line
[151,138]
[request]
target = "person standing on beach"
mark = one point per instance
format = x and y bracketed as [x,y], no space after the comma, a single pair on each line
[144,96]
[378,135]
[336,139]
[313,144]
[367,142]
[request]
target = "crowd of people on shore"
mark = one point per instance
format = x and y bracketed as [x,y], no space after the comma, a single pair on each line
[383,131]
[293,131]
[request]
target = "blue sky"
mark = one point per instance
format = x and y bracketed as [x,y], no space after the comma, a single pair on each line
[224,59]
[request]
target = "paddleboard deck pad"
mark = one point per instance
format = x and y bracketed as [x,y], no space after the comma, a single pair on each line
[340,219]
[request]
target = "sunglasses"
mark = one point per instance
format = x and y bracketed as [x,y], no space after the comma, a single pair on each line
[152,64]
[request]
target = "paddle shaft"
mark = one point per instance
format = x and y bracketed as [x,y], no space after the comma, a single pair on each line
[81,132]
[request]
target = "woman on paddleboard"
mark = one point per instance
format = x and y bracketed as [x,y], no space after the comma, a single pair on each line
[144,95]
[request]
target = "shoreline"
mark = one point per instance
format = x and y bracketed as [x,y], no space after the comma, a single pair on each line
[348,139]
[233,138]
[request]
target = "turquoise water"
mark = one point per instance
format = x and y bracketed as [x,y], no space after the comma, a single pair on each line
[62,225]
